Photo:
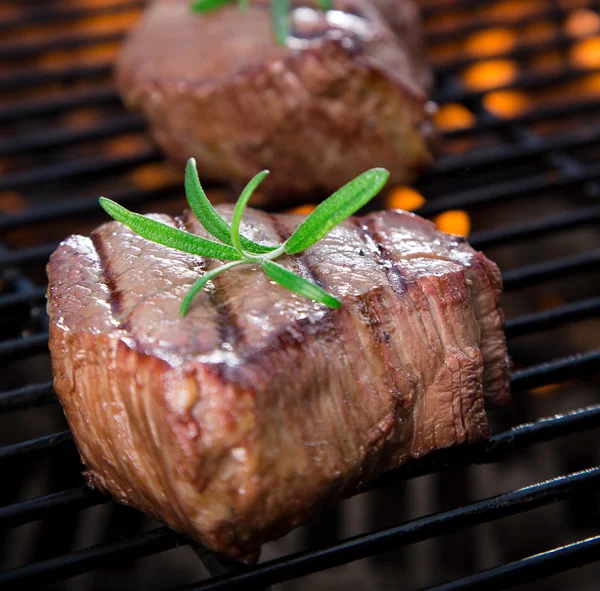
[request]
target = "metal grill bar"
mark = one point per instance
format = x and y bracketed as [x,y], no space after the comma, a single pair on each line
[33,446]
[61,137]
[461,31]
[84,205]
[523,51]
[523,187]
[14,299]
[554,269]
[528,230]
[27,397]
[498,447]
[49,15]
[431,10]
[358,547]
[23,51]
[532,81]
[23,347]
[46,107]
[505,154]
[557,370]
[117,553]
[529,569]
[85,166]
[548,319]
[486,123]
[40,507]
[31,78]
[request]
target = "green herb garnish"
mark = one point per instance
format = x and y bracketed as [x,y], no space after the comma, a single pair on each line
[280,10]
[232,246]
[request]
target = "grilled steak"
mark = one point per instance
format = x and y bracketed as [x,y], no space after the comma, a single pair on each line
[344,95]
[237,422]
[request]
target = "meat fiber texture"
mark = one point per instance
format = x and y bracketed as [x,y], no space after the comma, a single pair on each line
[237,422]
[347,92]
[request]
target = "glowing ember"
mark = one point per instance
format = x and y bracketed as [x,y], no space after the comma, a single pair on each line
[490,42]
[545,390]
[454,116]
[548,60]
[405,198]
[517,8]
[586,54]
[489,74]
[582,22]
[539,32]
[506,103]
[591,84]
[153,176]
[454,221]
[302,209]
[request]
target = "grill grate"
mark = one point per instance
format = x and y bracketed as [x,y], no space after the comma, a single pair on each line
[531,173]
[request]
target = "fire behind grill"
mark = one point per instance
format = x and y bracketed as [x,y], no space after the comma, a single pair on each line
[519,94]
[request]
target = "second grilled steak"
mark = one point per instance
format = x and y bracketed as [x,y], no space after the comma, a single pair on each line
[238,421]
[347,92]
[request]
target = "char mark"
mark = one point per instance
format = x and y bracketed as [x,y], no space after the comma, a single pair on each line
[115,295]
[393,274]
[230,332]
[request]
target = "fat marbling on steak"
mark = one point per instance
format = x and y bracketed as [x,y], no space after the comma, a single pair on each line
[238,421]
[348,92]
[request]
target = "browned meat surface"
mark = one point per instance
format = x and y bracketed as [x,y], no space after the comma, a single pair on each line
[347,93]
[237,422]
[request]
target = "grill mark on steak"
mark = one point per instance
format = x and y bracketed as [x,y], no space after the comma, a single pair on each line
[115,299]
[229,330]
[395,277]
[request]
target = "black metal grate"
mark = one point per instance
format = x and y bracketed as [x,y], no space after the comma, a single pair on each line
[528,176]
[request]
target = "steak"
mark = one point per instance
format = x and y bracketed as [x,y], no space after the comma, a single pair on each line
[239,421]
[347,92]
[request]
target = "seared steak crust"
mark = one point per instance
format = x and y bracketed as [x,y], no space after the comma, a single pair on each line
[237,422]
[345,94]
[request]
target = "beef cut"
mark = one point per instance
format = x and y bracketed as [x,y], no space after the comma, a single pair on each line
[348,91]
[237,422]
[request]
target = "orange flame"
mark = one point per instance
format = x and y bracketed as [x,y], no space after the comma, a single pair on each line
[586,53]
[302,209]
[506,103]
[454,221]
[454,116]
[490,42]
[582,22]
[489,74]
[405,198]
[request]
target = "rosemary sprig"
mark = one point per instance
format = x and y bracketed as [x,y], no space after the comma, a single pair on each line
[280,13]
[234,247]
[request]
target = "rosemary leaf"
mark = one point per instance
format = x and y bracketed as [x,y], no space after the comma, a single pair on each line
[243,4]
[240,206]
[335,209]
[281,23]
[168,236]
[203,281]
[207,5]
[208,215]
[297,284]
